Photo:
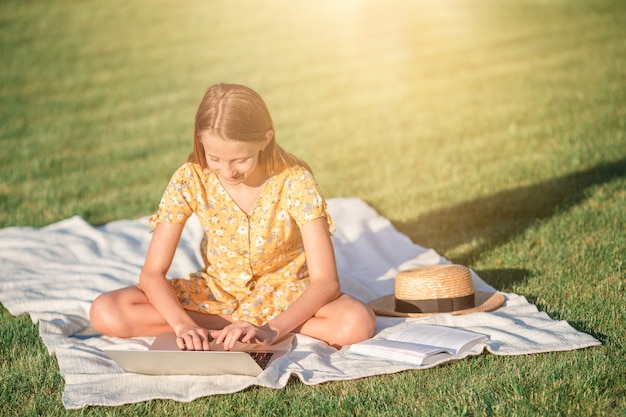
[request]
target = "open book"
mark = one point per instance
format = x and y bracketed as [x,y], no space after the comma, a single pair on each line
[420,344]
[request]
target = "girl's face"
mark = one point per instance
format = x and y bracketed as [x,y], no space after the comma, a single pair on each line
[234,162]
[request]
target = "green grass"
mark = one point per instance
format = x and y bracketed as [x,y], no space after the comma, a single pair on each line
[492,131]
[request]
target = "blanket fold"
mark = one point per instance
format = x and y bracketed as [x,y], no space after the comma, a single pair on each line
[53,274]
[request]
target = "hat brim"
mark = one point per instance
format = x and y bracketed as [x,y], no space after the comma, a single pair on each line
[484,302]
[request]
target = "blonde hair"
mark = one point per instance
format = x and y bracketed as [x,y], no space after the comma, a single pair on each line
[236,112]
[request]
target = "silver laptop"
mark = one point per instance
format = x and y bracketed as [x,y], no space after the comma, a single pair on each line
[165,358]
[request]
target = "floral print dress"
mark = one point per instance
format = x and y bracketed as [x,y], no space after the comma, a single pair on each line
[255,265]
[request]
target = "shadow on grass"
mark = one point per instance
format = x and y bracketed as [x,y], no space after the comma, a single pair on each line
[493,220]
[503,278]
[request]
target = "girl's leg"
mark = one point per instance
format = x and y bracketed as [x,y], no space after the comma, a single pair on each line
[341,322]
[128,313]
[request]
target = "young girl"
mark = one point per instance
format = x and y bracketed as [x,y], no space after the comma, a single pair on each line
[269,261]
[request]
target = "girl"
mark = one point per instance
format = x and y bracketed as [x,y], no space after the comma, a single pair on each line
[269,261]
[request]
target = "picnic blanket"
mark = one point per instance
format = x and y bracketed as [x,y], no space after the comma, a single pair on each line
[53,273]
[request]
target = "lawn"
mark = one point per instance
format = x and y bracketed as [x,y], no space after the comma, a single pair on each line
[493,131]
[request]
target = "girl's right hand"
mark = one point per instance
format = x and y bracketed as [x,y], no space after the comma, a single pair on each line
[193,338]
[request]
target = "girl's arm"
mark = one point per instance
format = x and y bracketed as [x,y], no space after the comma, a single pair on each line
[323,288]
[152,281]
[324,281]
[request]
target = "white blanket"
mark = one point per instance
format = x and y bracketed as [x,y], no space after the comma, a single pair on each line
[53,274]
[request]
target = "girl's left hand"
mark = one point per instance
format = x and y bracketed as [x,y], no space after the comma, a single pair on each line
[244,332]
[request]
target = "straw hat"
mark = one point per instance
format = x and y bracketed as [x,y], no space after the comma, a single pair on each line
[428,290]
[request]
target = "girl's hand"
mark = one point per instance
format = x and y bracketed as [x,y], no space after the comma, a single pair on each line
[244,332]
[193,338]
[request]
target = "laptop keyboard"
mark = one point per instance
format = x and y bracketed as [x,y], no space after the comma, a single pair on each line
[261,358]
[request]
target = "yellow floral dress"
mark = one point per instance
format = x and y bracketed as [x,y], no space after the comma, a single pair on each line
[255,265]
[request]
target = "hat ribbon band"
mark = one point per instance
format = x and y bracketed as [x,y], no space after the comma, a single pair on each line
[436,305]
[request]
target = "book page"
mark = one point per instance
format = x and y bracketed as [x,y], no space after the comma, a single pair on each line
[399,351]
[451,339]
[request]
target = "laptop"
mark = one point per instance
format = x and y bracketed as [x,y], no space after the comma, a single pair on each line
[165,358]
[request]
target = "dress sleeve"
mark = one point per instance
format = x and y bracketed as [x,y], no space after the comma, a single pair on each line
[177,203]
[305,201]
